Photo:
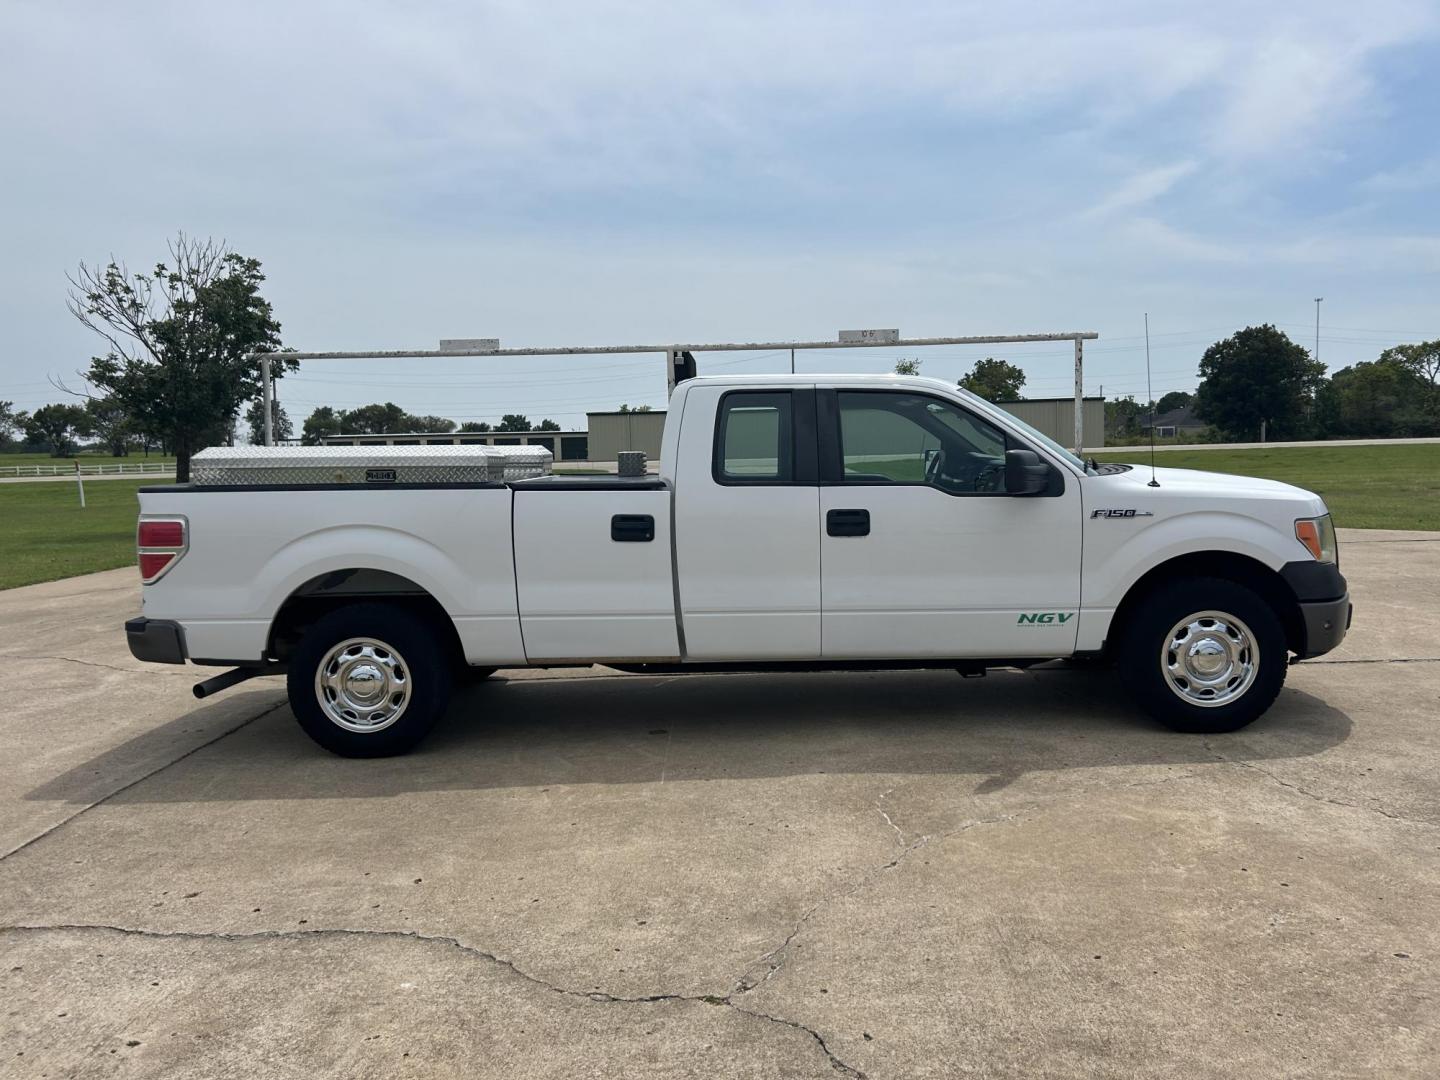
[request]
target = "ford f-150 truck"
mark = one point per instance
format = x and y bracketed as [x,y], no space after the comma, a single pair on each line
[795,521]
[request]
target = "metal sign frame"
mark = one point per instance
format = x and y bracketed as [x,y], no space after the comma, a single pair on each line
[679,357]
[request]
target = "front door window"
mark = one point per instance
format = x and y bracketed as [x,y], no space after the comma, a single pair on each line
[898,438]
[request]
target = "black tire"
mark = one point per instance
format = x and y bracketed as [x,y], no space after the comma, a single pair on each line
[1144,655]
[418,668]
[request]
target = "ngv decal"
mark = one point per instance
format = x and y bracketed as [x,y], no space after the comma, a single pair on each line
[1048,618]
[1126,513]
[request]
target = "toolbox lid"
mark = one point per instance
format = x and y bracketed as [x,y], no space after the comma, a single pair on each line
[366,466]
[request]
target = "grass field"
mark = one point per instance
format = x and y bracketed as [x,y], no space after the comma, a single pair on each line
[84,459]
[45,535]
[1366,487]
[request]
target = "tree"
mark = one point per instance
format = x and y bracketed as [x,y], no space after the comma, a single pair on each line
[280,426]
[376,419]
[55,426]
[1255,376]
[548,425]
[179,337]
[634,408]
[10,424]
[1383,398]
[1423,360]
[908,367]
[320,423]
[1123,417]
[108,420]
[994,380]
[513,422]
[1176,399]
[477,426]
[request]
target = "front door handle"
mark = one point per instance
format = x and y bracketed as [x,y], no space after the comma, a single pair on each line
[632,528]
[847,522]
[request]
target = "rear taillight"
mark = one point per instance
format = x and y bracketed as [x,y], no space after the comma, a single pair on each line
[159,544]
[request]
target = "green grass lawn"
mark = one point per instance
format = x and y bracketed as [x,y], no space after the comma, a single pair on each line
[45,535]
[84,459]
[1366,487]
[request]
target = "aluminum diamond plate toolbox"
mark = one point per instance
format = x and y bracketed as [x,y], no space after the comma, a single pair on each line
[366,466]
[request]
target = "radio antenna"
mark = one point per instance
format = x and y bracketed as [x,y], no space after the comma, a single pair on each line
[1151,394]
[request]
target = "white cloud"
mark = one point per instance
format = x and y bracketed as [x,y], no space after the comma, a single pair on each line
[1419,176]
[1165,242]
[1141,188]
[1298,81]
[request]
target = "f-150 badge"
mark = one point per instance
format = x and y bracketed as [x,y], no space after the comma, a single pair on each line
[1127,513]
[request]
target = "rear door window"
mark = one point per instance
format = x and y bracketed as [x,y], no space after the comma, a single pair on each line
[754,438]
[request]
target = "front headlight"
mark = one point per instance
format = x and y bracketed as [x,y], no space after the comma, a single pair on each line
[1318,536]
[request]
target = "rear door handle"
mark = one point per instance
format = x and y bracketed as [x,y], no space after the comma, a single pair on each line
[847,522]
[632,528]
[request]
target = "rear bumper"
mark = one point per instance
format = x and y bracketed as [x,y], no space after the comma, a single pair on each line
[1325,624]
[156,641]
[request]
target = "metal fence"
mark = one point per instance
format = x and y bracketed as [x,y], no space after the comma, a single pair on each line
[138,468]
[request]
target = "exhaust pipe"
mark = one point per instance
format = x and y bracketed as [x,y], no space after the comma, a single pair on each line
[227,679]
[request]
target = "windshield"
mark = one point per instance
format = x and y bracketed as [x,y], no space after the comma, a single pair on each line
[1041,437]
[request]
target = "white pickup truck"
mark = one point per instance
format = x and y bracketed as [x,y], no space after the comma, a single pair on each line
[796,521]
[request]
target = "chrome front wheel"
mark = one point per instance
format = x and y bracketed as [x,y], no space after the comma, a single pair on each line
[1210,658]
[1203,655]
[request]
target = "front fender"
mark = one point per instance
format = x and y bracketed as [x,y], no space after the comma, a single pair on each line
[1112,565]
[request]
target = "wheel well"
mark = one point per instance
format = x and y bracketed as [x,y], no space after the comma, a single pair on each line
[324,593]
[1231,566]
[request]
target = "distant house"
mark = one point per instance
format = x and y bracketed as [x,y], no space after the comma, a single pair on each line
[1176,422]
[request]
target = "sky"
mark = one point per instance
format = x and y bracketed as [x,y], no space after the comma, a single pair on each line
[605,172]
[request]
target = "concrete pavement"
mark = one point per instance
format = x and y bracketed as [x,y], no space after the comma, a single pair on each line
[887,874]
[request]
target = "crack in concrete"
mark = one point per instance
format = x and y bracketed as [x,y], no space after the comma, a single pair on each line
[152,670]
[774,960]
[899,832]
[140,780]
[599,997]
[1299,790]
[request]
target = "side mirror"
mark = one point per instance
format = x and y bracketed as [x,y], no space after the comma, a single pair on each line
[1025,473]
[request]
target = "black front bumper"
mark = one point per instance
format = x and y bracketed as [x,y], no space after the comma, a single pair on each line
[1325,607]
[156,641]
[1325,625]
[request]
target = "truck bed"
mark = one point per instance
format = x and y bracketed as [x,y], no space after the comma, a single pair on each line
[587,573]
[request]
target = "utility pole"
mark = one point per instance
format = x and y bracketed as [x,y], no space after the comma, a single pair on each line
[1080,400]
[1317,326]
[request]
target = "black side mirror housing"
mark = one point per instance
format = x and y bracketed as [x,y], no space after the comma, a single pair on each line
[1025,473]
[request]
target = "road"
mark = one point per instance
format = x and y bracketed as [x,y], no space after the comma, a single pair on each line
[882,875]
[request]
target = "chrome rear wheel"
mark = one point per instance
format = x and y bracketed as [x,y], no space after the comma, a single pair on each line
[370,679]
[363,685]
